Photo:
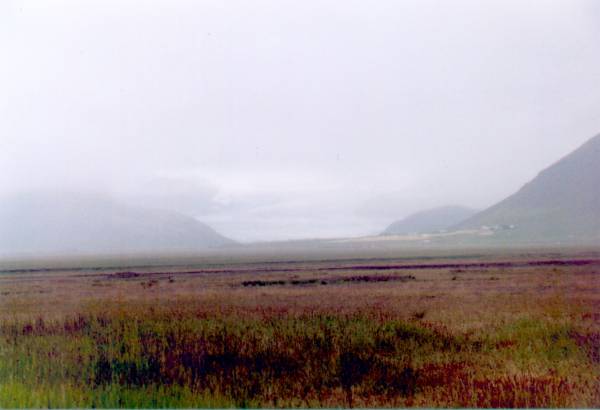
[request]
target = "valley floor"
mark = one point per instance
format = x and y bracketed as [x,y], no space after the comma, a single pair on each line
[518,329]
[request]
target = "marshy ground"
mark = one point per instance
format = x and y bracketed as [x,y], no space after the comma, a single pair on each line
[517,329]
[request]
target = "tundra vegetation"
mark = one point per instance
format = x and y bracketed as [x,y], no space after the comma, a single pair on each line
[519,330]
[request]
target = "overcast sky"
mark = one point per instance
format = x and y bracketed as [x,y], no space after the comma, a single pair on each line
[291,119]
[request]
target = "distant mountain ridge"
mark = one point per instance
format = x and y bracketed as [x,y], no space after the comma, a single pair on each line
[561,203]
[85,223]
[429,221]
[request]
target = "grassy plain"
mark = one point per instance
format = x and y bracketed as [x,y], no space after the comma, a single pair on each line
[518,329]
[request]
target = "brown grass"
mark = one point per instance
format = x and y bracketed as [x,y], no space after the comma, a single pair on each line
[310,334]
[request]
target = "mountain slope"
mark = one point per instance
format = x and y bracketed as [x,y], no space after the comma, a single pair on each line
[95,224]
[561,203]
[431,220]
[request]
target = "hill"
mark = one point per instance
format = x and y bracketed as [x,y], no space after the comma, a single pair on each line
[561,204]
[83,223]
[431,220]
